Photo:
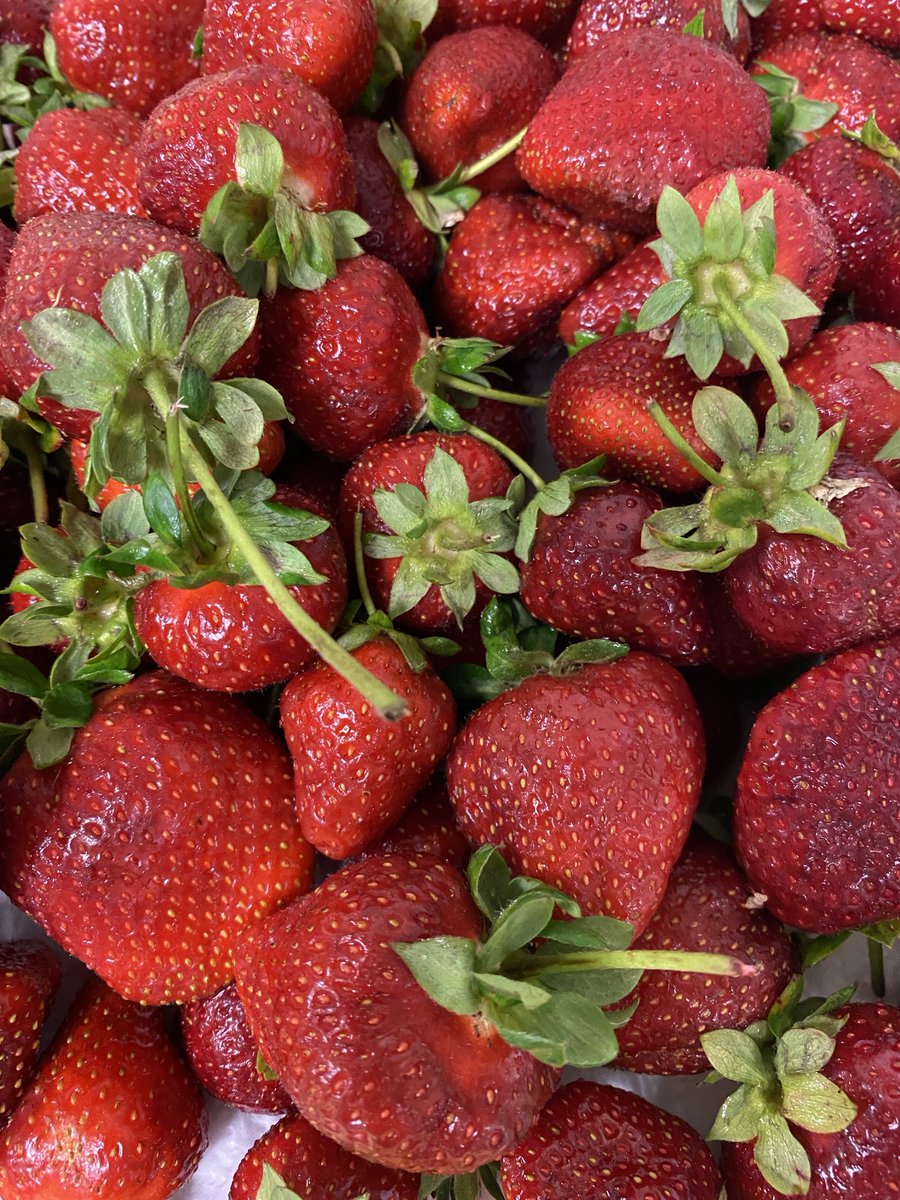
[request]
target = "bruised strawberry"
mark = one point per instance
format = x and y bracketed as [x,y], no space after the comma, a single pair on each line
[29,977]
[597,18]
[616,294]
[429,827]
[546,20]
[171,825]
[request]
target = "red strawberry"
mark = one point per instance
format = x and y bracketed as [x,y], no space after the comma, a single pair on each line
[546,20]
[329,44]
[112,1111]
[597,18]
[167,828]
[313,1165]
[429,827]
[599,1141]
[587,781]
[513,262]
[598,405]
[470,94]
[79,162]
[508,423]
[616,293]
[587,146]
[133,54]
[839,370]
[782,19]
[802,595]
[224,1056]
[398,1079]
[875,20]
[354,773]
[24,23]
[29,977]
[815,824]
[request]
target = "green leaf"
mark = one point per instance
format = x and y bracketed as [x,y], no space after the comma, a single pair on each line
[799,512]
[725,423]
[123,518]
[489,881]
[782,1161]
[263,1067]
[723,229]
[816,949]
[736,1056]
[592,933]
[739,1117]
[889,371]
[500,988]
[567,1030]
[694,27]
[802,1051]
[703,343]
[258,160]
[679,224]
[520,923]
[161,509]
[815,1103]
[443,967]
[21,677]
[663,304]
[125,308]
[219,331]
[874,138]
[74,342]
[48,746]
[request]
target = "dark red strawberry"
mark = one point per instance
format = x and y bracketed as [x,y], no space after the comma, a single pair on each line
[29,977]
[815,826]
[224,1056]
[399,1079]
[167,828]
[587,146]
[874,20]
[597,18]
[546,20]
[513,262]
[599,1141]
[314,473]
[313,1165]
[508,423]
[782,19]
[79,162]
[329,44]
[133,54]
[587,781]
[112,1112]
[354,773]
[617,293]
[24,23]
[429,827]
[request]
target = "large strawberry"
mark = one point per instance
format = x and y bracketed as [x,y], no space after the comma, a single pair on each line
[112,1112]
[29,977]
[598,18]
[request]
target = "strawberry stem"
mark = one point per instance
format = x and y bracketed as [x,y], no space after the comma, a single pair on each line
[626,960]
[495,156]
[478,389]
[684,448]
[36,479]
[176,462]
[505,451]
[783,393]
[876,967]
[359,562]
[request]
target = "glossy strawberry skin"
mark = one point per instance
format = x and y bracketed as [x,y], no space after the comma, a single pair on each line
[587,781]
[399,1080]
[860,1161]
[609,1144]
[342,356]
[113,1061]
[874,20]
[143,876]
[587,146]
[188,146]
[329,44]
[816,828]
[617,292]
[133,54]
[29,977]
[355,774]
[783,19]
[429,827]
[598,18]
[223,1055]
[802,595]
[471,93]
[546,20]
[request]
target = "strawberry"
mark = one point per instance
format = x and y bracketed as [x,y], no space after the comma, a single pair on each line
[224,1057]
[79,162]
[112,1111]
[782,19]
[429,827]
[312,1165]
[513,262]
[586,148]
[546,20]
[598,406]
[586,780]
[7,242]
[134,55]
[329,44]
[24,23]
[471,93]
[600,1141]
[29,977]
[840,370]
[708,905]
[874,20]
[821,850]
[152,895]
[354,773]
[597,18]
[616,294]
[508,423]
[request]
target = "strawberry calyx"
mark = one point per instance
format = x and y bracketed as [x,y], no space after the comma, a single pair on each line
[891,449]
[471,1186]
[460,370]
[260,225]
[778,1063]
[29,438]
[543,982]
[273,1187]
[792,113]
[874,138]
[400,46]
[731,10]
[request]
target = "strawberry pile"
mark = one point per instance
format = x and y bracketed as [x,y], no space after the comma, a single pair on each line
[451,534]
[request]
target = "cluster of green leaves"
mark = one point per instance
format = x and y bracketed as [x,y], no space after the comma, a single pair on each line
[778,1063]
[439,206]
[273,1187]
[474,362]
[400,46]
[817,947]
[792,113]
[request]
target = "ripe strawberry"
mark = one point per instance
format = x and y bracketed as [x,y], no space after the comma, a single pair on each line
[151,876]
[546,20]
[598,405]
[224,1056]
[820,845]
[399,1079]
[782,19]
[29,977]
[617,293]
[354,773]
[599,1141]
[313,1165]
[429,827]
[79,162]
[24,23]
[508,423]
[874,20]
[586,148]
[597,18]
[133,54]
[587,781]
[513,262]
[329,44]
[112,1111]
[470,94]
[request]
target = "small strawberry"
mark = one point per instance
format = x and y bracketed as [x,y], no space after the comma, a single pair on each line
[429,827]
[586,148]
[609,1144]
[546,20]
[597,18]
[611,302]
[134,55]
[329,44]
[29,977]
[112,1111]
[874,20]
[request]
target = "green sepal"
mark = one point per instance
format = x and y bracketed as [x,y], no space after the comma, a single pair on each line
[694,27]
[264,1069]
[415,650]
[470,1186]
[273,1187]
[874,138]
[585,337]
[438,206]
[554,499]
[400,46]
[22,103]
[791,112]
